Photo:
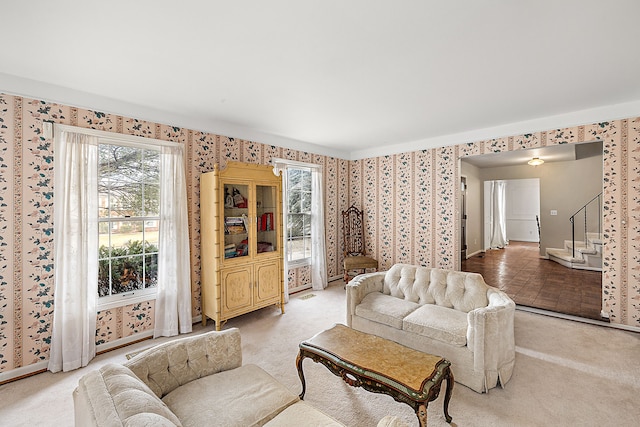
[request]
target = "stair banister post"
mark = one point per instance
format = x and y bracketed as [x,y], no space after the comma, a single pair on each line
[585,226]
[573,237]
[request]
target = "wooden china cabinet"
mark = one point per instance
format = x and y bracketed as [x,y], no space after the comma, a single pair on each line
[241,250]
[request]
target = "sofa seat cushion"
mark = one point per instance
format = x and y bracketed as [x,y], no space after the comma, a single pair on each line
[385,309]
[301,413]
[439,323]
[242,397]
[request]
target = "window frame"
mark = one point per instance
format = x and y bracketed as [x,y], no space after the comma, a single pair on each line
[136,295]
[134,141]
[309,167]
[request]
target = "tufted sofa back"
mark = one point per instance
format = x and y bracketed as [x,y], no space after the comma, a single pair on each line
[167,366]
[453,289]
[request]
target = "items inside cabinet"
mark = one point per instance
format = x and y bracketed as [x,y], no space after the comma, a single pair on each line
[236,221]
[266,199]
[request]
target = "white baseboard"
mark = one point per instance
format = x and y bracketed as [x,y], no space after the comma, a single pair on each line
[23,371]
[40,366]
[578,319]
[299,289]
[123,341]
[479,251]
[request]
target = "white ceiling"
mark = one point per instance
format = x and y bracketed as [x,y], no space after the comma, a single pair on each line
[352,78]
[550,154]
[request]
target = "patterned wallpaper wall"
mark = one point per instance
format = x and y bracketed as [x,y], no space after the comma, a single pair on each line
[26,218]
[411,201]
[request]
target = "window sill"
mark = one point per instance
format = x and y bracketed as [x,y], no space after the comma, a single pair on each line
[299,263]
[124,300]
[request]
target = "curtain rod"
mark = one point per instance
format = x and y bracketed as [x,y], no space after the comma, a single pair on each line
[275,160]
[48,126]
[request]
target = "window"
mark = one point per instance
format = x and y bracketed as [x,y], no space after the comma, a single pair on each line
[121,222]
[128,222]
[304,218]
[298,235]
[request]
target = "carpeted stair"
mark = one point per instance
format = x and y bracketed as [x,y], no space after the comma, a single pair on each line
[587,256]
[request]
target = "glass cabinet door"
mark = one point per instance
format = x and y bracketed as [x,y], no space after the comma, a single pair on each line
[236,220]
[266,218]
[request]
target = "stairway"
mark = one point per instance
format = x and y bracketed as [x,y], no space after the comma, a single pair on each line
[587,256]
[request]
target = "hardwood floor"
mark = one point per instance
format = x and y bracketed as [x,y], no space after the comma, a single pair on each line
[536,282]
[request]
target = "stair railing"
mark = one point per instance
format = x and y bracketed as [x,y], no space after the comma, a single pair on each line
[584,211]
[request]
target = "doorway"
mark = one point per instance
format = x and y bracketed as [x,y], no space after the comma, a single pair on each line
[571,172]
[519,210]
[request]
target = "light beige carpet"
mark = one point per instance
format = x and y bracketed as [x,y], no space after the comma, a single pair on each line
[566,374]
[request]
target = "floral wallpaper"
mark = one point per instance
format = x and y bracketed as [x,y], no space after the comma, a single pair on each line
[410,201]
[631,179]
[26,218]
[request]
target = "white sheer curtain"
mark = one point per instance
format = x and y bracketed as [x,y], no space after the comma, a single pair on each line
[173,302]
[73,342]
[498,236]
[318,253]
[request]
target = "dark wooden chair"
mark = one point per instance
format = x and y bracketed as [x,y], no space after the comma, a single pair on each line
[354,245]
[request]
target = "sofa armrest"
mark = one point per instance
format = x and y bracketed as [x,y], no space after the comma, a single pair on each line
[114,396]
[359,287]
[167,366]
[490,336]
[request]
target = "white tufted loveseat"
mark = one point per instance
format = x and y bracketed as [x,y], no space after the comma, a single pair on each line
[192,381]
[452,314]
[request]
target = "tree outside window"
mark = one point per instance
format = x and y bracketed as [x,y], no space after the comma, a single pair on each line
[298,238]
[128,219]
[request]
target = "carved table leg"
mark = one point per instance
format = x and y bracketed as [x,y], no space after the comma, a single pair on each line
[299,360]
[447,396]
[421,412]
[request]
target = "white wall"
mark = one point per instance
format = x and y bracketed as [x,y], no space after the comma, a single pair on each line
[564,188]
[523,204]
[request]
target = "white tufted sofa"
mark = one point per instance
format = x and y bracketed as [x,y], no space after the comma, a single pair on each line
[452,314]
[193,381]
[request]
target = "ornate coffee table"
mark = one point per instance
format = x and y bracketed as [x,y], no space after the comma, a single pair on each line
[381,366]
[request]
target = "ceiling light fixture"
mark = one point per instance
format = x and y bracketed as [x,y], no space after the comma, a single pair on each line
[536,161]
